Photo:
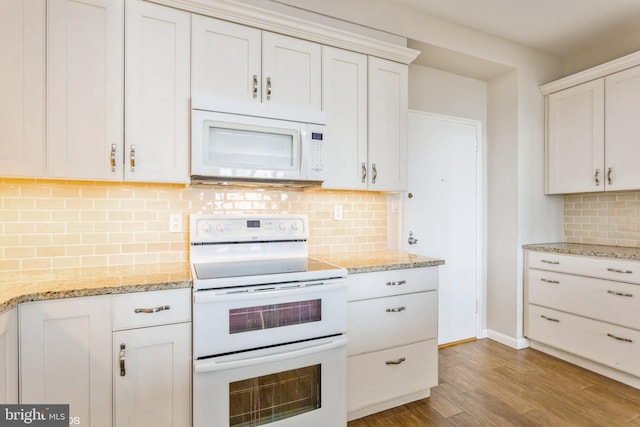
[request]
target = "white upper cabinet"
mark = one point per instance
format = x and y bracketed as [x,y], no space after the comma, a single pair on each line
[236,61]
[388,105]
[157,93]
[344,98]
[575,139]
[22,49]
[84,88]
[622,130]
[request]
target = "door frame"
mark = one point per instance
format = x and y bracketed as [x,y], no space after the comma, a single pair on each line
[481,297]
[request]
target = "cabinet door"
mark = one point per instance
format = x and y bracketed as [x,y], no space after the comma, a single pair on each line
[152,376]
[344,98]
[84,88]
[388,105]
[157,93]
[65,356]
[22,44]
[291,71]
[225,59]
[622,127]
[575,139]
[9,356]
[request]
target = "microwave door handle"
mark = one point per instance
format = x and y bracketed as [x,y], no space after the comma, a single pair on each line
[212,366]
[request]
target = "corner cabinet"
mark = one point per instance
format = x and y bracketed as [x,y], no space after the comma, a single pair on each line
[157,93]
[393,339]
[590,135]
[9,356]
[235,61]
[65,356]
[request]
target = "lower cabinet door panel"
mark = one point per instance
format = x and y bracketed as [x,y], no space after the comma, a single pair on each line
[380,323]
[610,345]
[384,375]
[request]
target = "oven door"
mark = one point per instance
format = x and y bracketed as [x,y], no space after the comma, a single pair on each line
[235,319]
[301,384]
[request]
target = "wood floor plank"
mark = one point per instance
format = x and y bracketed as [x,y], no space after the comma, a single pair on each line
[484,383]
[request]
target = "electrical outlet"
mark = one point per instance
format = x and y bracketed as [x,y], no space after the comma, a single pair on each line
[338,213]
[175,223]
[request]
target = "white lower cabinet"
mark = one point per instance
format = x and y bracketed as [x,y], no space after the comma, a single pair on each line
[393,339]
[65,356]
[9,356]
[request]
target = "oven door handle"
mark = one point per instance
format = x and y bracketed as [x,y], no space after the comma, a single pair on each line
[202,366]
[214,296]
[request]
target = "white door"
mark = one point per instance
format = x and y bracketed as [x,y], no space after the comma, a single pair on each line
[441,210]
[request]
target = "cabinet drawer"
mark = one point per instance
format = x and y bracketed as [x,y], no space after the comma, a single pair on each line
[152,308]
[380,323]
[610,345]
[392,282]
[609,301]
[384,375]
[622,270]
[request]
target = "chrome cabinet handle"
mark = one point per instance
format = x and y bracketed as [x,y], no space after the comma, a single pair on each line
[268,88]
[551,319]
[555,282]
[364,172]
[113,157]
[619,294]
[123,371]
[132,158]
[619,338]
[152,310]
[397,283]
[550,262]
[396,310]
[609,179]
[255,86]
[374,173]
[597,177]
[395,362]
[617,270]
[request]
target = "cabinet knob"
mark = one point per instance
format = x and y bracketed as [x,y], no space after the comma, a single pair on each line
[364,172]
[255,86]
[374,173]
[268,88]
[121,357]
[609,178]
[395,362]
[113,157]
[596,177]
[132,158]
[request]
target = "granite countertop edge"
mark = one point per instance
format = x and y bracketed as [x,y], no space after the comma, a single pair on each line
[603,251]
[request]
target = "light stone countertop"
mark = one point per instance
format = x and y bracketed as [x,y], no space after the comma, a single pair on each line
[587,250]
[38,285]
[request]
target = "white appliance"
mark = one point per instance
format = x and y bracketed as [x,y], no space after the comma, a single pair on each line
[269,325]
[246,142]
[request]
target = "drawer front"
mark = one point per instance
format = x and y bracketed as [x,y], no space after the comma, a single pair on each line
[393,282]
[612,302]
[604,268]
[152,308]
[610,345]
[381,323]
[384,375]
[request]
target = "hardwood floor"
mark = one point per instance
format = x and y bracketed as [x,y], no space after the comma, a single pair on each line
[484,383]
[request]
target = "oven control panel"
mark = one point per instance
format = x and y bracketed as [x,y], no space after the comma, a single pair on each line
[213,229]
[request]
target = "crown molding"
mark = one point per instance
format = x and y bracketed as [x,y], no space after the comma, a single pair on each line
[279,23]
[620,64]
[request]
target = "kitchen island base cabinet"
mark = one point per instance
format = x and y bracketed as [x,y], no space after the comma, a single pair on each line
[9,356]
[65,356]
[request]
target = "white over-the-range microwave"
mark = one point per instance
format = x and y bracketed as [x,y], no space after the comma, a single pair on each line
[236,142]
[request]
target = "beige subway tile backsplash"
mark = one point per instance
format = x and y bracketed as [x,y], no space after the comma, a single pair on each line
[69,224]
[603,218]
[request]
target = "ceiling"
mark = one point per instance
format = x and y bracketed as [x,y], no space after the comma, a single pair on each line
[559,27]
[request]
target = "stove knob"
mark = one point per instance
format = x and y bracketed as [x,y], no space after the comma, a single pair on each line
[282,226]
[294,226]
[220,228]
[206,227]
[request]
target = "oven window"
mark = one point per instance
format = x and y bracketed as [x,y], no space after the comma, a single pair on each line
[274,397]
[274,316]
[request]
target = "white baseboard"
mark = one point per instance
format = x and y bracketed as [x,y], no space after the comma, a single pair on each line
[517,343]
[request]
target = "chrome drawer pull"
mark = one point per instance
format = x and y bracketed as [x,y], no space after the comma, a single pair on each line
[397,283]
[152,310]
[396,310]
[555,282]
[123,372]
[395,362]
[551,319]
[619,338]
[546,261]
[620,294]
[617,270]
